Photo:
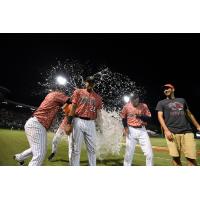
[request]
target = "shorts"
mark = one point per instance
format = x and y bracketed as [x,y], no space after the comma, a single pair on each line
[182,143]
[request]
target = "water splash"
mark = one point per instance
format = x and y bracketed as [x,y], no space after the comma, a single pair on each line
[111,86]
[73,71]
[109,140]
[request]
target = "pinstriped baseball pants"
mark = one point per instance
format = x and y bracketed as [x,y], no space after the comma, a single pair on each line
[37,138]
[83,129]
[136,135]
[56,140]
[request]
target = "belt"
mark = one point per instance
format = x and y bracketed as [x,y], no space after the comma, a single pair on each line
[136,126]
[85,118]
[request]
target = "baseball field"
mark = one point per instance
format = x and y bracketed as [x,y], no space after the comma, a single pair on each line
[12,142]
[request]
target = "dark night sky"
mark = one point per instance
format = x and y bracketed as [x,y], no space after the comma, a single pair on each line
[149,59]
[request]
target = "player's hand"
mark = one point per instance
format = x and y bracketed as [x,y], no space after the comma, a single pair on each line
[125,133]
[68,129]
[169,135]
[63,107]
[198,128]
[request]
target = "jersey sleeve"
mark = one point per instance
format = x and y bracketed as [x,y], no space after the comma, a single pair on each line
[185,105]
[60,97]
[159,106]
[146,110]
[75,96]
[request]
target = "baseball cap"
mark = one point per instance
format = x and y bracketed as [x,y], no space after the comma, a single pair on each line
[169,86]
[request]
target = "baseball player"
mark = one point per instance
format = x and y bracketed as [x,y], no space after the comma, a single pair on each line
[134,118]
[36,128]
[86,106]
[60,132]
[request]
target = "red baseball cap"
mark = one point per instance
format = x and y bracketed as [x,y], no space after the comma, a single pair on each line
[169,85]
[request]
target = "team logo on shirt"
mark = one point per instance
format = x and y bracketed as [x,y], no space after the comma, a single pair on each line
[89,102]
[176,106]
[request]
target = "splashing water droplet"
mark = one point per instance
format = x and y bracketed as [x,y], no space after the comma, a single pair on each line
[109,142]
[111,86]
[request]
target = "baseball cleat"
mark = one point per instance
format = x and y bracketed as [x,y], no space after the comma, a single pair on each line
[21,163]
[51,156]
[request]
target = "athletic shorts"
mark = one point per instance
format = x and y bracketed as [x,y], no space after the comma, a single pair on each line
[182,143]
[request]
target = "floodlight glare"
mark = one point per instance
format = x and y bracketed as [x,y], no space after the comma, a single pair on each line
[61,80]
[126,99]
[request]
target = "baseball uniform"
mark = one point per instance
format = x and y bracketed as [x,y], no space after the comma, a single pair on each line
[136,132]
[36,128]
[84,125]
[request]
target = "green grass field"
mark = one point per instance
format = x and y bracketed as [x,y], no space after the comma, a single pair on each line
[12,142]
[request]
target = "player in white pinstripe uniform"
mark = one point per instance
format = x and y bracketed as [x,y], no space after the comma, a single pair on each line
[86,105]
[135,116]
[36,128]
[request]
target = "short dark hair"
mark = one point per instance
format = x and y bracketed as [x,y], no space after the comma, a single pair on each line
[134,95]
[90,79]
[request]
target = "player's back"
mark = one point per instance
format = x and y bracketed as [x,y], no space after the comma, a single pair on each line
[49,107]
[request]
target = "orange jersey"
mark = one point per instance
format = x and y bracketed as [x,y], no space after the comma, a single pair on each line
[129,112]
[66,110]
[87,103]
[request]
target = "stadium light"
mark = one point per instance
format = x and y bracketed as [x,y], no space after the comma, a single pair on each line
[61,80]
[126,99]
[19,106]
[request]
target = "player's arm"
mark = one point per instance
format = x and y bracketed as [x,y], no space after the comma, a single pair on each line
[123,115]
[167,132]
[143,117]
[72,113]
[193,119]
[70,117]
[125,124]
[62,99]
[146,114]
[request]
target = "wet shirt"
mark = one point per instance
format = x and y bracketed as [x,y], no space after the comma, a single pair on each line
[174,114]
[66,111]
[49,108]
[87,103]
[129,112]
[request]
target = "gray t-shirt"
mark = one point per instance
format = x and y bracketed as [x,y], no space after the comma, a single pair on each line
[174,115]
